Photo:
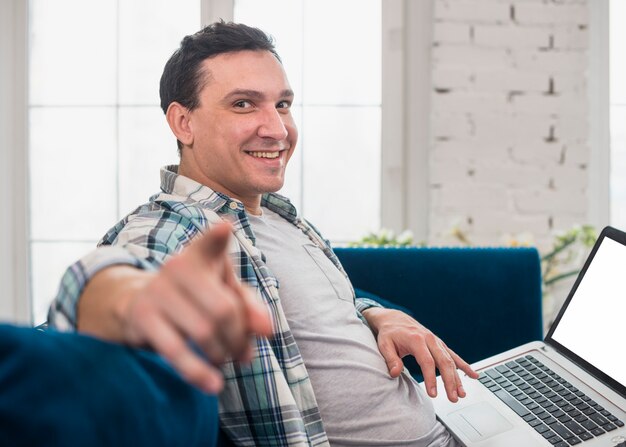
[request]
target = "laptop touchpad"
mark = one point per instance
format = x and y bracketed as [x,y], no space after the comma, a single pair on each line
[480,421]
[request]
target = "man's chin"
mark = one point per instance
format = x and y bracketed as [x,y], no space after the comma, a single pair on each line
[270,187]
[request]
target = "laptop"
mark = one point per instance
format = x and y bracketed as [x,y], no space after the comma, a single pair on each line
[569,389]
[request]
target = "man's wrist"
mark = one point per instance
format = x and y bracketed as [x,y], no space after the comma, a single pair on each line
[103,308]
[371,316]
[362,304]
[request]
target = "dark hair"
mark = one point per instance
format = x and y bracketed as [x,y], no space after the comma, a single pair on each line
[183,77]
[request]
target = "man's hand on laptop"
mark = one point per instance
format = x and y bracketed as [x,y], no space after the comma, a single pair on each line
[399,335]
[193,307]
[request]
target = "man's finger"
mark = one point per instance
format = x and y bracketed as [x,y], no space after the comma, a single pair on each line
[223,307]
[389,353]
[224,300]
[214,242]
[171,345]
[425,360]
[258,316]
[219,294]
[193,323]
[219,303]
[255,311]
[447,369]
[463,365]
[174,306]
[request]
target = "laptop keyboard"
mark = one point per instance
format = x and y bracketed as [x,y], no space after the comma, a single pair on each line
[556,409]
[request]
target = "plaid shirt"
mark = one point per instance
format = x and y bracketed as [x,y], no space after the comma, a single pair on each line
[269,402]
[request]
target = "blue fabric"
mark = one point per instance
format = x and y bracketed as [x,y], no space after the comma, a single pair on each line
[480,301]
[60,389]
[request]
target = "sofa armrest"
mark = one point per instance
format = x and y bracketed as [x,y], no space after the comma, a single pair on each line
[480,301]
[69,389]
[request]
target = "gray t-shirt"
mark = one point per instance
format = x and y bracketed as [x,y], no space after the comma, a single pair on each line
[361,405]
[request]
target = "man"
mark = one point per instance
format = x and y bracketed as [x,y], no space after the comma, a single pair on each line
[297,371]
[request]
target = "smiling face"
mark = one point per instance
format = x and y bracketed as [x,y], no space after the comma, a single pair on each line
[239,139]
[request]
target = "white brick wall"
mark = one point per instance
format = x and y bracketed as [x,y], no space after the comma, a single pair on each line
[509,118]
[469,11]
[528,14]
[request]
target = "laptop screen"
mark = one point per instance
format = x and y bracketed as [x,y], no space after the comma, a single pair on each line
[593,325]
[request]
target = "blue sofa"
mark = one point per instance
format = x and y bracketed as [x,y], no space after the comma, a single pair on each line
[70,389]
[479,301]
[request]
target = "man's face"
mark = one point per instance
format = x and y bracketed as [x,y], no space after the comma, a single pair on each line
[243,131]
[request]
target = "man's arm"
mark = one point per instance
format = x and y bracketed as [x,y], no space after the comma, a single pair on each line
[399,335]
[194,297]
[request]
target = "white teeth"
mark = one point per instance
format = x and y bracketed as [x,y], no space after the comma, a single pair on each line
[265,154]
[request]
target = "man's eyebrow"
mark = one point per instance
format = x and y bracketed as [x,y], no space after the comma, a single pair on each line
[254,94]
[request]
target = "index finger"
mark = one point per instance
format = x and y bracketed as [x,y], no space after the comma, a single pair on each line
[213,243]
[214,247]
[463,365]
[259,321]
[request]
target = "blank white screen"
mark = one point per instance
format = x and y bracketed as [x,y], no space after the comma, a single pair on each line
[593,325]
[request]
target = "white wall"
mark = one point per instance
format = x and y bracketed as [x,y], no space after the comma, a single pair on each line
[509,124]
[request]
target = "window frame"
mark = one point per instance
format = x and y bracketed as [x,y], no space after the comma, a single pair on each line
[15,304]
[599,193]
[407,31]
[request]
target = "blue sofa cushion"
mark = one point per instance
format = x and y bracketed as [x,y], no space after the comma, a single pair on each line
[480,301]
[61,389]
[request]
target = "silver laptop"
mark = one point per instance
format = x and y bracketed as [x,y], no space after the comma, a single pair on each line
[569,389]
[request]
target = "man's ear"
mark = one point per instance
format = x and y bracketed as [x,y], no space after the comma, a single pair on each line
[177,117]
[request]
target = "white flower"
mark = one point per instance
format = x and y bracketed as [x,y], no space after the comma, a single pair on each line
[405,238]
[385,234]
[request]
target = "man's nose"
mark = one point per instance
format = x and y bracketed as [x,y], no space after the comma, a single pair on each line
[273,125]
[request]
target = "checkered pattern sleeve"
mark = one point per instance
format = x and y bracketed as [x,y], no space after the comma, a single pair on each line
[363,304]
[144,240]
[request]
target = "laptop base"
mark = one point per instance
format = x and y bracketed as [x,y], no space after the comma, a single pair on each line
[481,419]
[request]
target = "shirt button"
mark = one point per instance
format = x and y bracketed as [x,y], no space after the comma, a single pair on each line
[233,205]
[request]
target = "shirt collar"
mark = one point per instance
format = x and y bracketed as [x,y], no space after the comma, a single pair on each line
[179,185]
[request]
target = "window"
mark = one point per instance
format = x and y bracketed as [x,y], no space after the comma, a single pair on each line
[98,136]
[333,63]
[97,133]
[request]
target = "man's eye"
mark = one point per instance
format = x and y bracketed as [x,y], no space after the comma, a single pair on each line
[283,105]
[243,104]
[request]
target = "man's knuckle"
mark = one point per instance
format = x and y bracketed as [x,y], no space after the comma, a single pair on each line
[177,267]
[141,306]
[449,363]
[430,337]
[173,265]
[142,310]
[224,310]
[193,373]
[428,362]
[170,349]
[202,330]
[416,336]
